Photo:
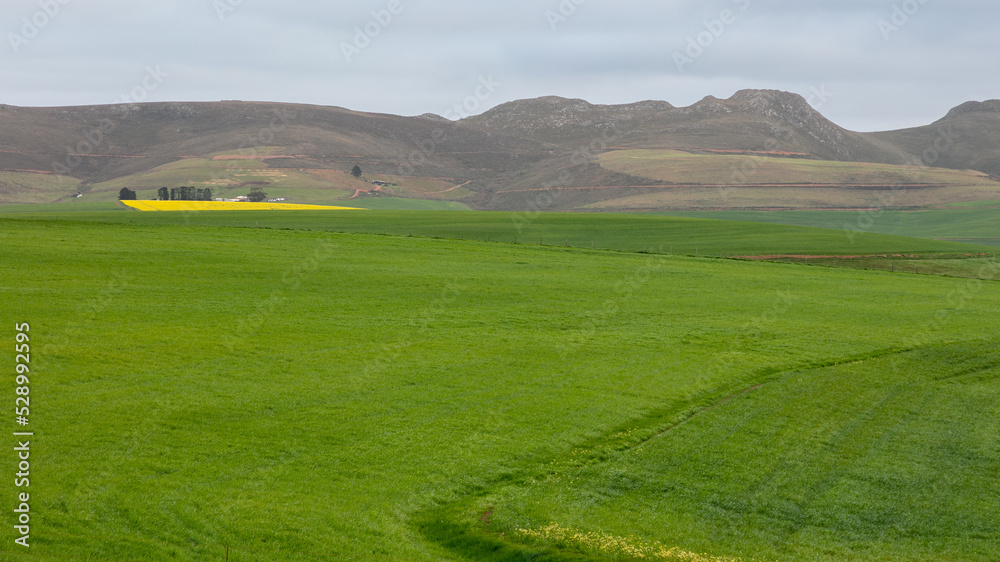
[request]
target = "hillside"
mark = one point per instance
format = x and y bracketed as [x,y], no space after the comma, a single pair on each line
[762,120]
[103,143]
[550,153]
[968,137]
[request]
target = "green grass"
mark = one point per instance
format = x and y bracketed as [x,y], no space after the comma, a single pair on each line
[890,457]
[301,395]
[655,234]
[978,267]
[403,204]
[974,225]
[68,208]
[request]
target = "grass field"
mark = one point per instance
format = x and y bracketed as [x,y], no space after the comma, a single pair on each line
[306,394]
[889,457]
[649,233]
[73,207]
[977,224]
[404,204]
[978,266]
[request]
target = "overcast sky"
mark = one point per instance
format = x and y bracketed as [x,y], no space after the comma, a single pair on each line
[866,65]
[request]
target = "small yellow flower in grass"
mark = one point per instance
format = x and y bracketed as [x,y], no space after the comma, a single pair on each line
[604,543]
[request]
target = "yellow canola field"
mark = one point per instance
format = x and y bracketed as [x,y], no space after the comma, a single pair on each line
[227,206]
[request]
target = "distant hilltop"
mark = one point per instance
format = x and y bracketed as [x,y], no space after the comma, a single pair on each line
[543,143]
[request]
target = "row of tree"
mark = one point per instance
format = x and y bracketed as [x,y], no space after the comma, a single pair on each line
[171,194]
[185,193]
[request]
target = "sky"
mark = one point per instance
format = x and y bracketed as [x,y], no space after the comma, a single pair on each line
[866,65]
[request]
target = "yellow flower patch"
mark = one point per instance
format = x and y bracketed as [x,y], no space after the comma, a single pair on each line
[617,546]
[227,206]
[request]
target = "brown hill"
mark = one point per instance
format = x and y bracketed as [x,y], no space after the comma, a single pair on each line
[500,158]
[968,137]
[98,143]
[762,120]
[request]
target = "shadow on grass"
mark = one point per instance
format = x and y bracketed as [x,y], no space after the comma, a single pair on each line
[473,543]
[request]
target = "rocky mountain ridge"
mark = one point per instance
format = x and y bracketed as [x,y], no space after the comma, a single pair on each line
[516,145]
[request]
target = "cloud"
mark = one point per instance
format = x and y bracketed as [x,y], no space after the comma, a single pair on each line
[430,54]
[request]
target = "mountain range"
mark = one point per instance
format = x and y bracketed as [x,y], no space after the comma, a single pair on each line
[757,149]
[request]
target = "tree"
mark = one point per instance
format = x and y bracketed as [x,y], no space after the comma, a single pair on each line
[356,172]
[163,194]
[126,194]
[256,195]
[185,193]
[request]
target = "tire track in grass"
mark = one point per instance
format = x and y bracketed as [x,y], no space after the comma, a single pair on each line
[979,365]
[830,462]
[866,436]
[767,376]
[453,525]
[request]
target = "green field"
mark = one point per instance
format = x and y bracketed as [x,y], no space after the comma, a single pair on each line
[888,457]
[294,387]
[977,223]
[404,204]
[648,233]
[69,209]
